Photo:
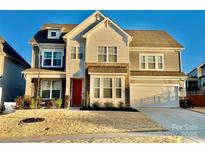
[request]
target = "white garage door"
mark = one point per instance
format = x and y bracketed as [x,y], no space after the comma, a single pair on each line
[154,96]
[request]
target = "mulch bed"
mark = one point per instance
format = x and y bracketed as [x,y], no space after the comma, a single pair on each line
[31,120]
[110,109]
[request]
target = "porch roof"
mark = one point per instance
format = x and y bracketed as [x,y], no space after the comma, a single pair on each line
[107,69]
[35,71]
[157,73]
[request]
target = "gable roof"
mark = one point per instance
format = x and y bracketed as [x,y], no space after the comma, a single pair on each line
[8,50]
[140,38]
[152,38]
[103,21]
[83,22]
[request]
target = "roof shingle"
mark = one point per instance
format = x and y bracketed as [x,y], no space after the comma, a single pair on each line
[157,73]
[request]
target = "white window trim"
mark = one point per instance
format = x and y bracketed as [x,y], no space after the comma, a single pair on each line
[52,51]
[58,33]
[51,85]
[107,53]
[146,62]
[78,51]
[101,87]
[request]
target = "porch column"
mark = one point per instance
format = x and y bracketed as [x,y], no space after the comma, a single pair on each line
[28,86]
[67,93]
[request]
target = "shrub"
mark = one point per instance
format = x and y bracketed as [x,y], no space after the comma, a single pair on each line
[121,105]
[19,102]
[58,103]
[109,105]
[33,103]
[26,102]
[96,105]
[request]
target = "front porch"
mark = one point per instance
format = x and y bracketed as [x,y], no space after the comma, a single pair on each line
[49,85]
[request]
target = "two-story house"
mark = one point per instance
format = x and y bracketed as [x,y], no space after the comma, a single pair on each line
[99,59]
[12,83]
[196,78]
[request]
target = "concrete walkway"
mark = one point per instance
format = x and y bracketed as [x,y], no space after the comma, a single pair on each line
[179,121]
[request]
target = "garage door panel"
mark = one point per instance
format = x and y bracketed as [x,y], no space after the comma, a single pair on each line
[154,96]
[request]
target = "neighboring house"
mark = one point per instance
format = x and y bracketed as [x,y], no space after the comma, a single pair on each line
[12,83]
[99,59]
[196,78]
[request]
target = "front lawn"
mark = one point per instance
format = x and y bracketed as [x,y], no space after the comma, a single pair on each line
[67,122]
[139,139]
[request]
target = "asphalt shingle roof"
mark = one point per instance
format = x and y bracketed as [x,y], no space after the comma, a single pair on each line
[141,38]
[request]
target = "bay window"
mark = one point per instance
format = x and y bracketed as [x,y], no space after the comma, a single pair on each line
[118,87]
[97,88]
[107,87]
[52,59]
[107,54]
[151,61]
[51,89]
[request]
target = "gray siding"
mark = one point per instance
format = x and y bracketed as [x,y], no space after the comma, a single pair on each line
[12,81]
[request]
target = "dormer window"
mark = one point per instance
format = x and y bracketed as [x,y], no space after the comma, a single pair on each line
[54,33]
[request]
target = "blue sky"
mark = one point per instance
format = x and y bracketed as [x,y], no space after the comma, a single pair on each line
[187,27]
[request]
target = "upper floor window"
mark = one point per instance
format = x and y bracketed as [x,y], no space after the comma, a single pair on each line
[52,59]
[151,61]
[76,53]
[107,54]
[54,33]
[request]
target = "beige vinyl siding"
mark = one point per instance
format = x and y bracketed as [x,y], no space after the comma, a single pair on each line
[106,36]
[171,60]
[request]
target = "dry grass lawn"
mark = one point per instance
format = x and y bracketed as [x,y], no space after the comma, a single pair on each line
[65,122]
[144,139]
[198,109]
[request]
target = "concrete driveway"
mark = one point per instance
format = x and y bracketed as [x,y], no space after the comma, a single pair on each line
[179,121]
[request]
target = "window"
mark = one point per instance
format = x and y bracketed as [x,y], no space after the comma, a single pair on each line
[73,53]
[52,59]
[160,62]
[53,34]
[107,88]
[51,89]
[143,62]
[97,88]
[151,62]
[112,54]
[102,54]
[107,54]
[76,53]
[80,53]
[118,86]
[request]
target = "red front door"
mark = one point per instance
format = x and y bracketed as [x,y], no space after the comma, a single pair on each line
[77,92]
